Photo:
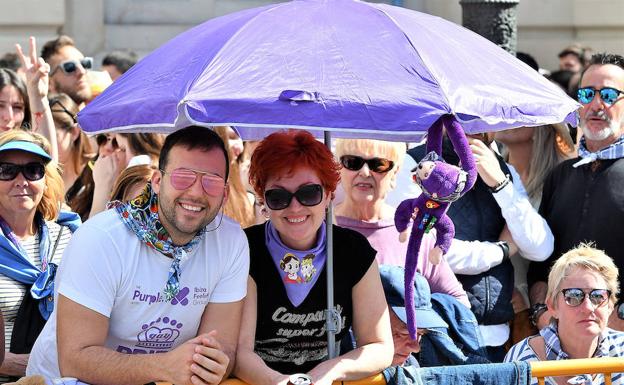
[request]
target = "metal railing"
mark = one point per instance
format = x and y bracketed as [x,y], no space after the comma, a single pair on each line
[377,379]
[539,369]
[606,366]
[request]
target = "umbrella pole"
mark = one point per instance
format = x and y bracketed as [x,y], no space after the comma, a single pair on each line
[332,318]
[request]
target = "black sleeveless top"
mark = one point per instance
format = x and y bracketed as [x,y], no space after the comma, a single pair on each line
[292,339]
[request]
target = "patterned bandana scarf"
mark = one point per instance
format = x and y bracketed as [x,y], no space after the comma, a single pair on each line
[299,269]
[613,151]
[552,345]
[141,217]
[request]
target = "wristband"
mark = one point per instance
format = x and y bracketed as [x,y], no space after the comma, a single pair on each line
[536,312]
[501,185]
[505,247]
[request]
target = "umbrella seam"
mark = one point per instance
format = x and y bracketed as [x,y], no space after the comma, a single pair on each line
[378,7]
[208,62]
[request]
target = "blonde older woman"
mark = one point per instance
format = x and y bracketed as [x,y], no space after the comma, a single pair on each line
[582,292]
[368,174]
[32,240]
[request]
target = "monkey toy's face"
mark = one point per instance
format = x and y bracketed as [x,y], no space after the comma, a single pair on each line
[425,169]
[438,178]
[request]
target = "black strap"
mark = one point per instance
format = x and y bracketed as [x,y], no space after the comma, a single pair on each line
[58,238]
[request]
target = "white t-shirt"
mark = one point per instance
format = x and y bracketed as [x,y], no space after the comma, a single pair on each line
[109,270]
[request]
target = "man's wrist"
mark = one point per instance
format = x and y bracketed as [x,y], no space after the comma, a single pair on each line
[504,246]
[537,310]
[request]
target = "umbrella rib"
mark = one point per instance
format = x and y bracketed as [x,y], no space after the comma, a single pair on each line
[229,40]
[442,93]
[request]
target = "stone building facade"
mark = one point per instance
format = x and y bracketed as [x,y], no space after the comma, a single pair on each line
[99,26]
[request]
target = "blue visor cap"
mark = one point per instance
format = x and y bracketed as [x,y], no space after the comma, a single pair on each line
[393,281]
[21,145]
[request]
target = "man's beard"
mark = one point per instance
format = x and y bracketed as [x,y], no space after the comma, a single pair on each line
[611,128]
[79,96]
[168,211]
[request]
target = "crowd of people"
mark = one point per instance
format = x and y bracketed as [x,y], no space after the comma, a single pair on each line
[212,250]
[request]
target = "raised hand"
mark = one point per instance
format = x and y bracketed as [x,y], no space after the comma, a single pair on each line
[37,71]
[37,83]
[487,164]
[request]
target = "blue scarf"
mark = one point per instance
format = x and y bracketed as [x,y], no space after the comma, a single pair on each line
[552,346]
[299,269]
[141,216]
[613,151]
[14,262]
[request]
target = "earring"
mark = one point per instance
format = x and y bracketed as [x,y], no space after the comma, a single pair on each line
[264,212]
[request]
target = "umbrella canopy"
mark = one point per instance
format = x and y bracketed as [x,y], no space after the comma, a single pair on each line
[358,69]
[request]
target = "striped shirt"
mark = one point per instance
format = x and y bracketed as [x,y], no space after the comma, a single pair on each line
[522,351]
[12,291]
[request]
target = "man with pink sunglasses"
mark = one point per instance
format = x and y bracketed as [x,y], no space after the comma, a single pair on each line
[165,273]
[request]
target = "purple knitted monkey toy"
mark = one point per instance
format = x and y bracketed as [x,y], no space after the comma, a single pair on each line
[441,184]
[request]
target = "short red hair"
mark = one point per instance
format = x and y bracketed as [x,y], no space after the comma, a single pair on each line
[281,153]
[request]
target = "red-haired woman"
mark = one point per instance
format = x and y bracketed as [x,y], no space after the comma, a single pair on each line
[283,327]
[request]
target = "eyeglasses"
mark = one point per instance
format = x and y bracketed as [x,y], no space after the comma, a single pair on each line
[54,102]
[608,94]
[32,171]
[355,163]
[102,139]
[183,178]
[308,195]
[574,296]
[70,66]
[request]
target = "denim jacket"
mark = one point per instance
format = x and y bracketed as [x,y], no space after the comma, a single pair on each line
[513,373]
[460,344]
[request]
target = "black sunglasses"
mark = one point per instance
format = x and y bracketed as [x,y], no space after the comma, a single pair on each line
[54,102]
[32,171]
[308,195]
[355,163]
[70,66]
[102,139]
[575,296]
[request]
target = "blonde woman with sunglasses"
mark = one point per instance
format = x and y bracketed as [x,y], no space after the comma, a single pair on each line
[582,292]
[368,174]
[33,235]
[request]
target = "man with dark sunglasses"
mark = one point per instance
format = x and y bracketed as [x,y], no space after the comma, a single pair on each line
[68,68]
[163,274]
[582,198]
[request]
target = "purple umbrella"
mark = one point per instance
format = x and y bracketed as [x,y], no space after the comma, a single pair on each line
[355,68]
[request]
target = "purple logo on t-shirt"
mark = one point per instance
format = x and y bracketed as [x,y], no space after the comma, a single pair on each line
[180,298]
[158,336]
